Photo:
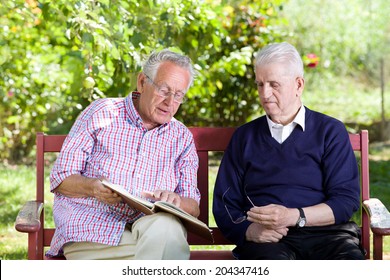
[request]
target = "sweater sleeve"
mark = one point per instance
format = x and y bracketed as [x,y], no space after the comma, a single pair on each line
[229,198]
[341,175]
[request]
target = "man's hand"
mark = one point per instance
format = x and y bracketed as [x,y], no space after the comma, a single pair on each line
[273,216]
[163,195]
[187,204]
[269,223]
[261,234]
[103,194]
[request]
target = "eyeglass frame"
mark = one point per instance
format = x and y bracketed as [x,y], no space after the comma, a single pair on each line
[168,93]
[242,218]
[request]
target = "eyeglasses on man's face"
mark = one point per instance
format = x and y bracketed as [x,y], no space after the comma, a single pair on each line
[163,91]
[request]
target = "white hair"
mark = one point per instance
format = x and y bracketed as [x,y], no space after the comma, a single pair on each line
[281,53]
[152,64]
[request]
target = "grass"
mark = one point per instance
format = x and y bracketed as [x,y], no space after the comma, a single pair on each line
[17,186]
[380,180]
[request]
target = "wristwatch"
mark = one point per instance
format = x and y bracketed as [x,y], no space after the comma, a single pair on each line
[302,218]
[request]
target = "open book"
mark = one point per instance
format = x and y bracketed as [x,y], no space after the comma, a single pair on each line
[191,223]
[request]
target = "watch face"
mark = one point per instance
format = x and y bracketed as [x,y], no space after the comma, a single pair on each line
[302,223]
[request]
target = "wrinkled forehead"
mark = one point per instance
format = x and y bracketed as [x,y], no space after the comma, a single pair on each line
[274,71]
[173,76]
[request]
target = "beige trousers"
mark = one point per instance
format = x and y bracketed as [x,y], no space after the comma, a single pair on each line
[155,237]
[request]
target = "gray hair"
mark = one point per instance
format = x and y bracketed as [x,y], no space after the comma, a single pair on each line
[281,53]
[154,61]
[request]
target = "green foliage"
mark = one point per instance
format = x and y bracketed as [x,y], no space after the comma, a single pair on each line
[58,56]
[350,37]
[225,93]
[40,76]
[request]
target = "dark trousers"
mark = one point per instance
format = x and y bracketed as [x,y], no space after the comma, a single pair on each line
[335,242]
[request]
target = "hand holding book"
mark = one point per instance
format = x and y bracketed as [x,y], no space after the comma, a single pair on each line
[190,222]
[161,195]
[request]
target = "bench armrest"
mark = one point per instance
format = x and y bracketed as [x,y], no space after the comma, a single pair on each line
[28,219]
[379,216]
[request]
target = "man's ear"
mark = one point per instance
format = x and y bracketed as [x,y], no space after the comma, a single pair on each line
[300,82]
[141,79]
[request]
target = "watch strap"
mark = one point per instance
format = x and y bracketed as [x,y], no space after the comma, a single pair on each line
[301,213]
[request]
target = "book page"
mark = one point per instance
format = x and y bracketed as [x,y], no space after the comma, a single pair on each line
[165,205]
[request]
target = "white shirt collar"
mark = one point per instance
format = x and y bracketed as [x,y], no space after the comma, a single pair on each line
[299,119]
[282,132]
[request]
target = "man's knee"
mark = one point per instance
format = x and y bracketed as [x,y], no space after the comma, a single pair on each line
[159,225]
[167,223]
[160,236]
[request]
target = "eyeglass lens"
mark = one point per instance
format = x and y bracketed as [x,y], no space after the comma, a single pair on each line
[240,218]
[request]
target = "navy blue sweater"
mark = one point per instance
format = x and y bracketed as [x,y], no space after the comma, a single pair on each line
[310,167]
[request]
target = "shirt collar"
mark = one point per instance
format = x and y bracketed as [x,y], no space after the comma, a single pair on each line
[299,119]
[133,116]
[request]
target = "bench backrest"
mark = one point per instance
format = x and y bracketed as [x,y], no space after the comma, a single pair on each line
[207,140]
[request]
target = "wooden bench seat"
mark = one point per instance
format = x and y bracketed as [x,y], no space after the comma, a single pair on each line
[32,221]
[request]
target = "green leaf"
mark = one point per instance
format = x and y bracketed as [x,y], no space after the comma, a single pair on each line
[13,119]
[115,53]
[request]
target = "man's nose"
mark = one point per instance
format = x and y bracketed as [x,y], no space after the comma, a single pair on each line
[170,99]
[265,92]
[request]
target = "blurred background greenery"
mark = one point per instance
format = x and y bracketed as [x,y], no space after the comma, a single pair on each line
[58,56]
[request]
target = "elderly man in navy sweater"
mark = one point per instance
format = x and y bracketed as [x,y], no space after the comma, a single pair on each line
[288,183]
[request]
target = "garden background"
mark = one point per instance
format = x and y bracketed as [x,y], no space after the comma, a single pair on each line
[58,56]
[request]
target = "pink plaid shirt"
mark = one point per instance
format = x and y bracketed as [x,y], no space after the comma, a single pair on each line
[108,139]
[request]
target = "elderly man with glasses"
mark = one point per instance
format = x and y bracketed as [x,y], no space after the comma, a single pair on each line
[135,142]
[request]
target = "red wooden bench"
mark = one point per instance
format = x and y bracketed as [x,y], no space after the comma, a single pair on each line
[32,221]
